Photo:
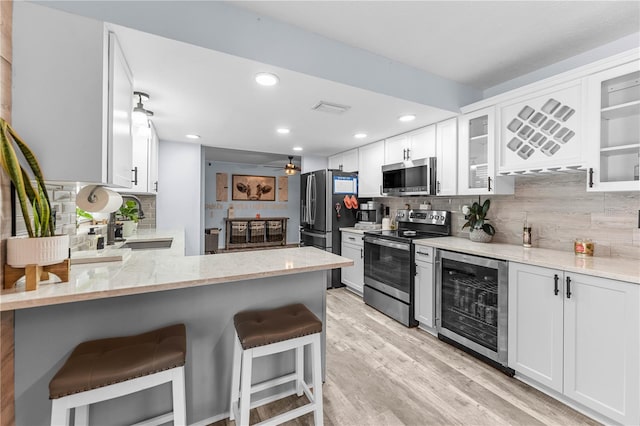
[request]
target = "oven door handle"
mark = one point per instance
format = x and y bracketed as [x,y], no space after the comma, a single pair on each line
[387,243]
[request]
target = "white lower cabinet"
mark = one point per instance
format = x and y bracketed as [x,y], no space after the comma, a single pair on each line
[425,287]
[353,248]
[578,335]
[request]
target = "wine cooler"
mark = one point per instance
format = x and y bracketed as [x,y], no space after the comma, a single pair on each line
[472,304]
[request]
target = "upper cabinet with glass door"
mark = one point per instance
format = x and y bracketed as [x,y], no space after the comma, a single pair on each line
[613,128]
[476,150]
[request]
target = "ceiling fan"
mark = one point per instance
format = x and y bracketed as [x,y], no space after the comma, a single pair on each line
[290,168]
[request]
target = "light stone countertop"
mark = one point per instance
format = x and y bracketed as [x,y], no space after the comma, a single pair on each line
[616,268]
[166,269]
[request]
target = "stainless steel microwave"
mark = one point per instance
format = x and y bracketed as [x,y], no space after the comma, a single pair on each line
[410,178]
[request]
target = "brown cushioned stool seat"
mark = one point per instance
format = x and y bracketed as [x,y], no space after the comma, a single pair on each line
[99,363]
[258,328]
[273,331]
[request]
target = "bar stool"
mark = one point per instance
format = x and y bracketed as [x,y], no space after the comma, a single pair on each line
[104,369]
[266,332]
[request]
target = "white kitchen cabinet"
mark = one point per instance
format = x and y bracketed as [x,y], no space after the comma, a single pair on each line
[542,132]
[414,145]
[425,287]
[371,157]
[599,322]
[447,157]
[353,248]
[153,161]
[613,128]
[76,116]
[346,161]
[145,162]
[536,323]
[477,155]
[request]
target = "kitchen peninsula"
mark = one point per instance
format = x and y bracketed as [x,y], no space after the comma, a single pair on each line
[151,289]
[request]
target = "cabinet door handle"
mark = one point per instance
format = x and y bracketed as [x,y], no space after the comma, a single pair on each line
[135,175]
[556,278]
[590,177]
[568,287]
[404,154]
[156,186]
[352,238]
[489,184]
[361,253]
[438,186]
[408,153]
[422,253]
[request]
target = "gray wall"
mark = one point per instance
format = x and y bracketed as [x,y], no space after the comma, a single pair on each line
[558,208]
[216,211]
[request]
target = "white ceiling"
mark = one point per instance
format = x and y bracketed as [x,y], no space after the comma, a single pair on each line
[480,43]
[213,94]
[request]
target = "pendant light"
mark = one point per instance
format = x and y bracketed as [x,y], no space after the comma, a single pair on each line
[140,114]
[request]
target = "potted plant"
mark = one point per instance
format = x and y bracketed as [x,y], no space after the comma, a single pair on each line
[128,213]
[476,215]
[42,247]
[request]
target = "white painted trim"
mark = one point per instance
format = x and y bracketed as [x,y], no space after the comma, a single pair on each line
[211,420]
[580,72]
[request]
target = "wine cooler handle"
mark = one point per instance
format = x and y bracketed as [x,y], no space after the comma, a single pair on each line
[568,287]
[556,278]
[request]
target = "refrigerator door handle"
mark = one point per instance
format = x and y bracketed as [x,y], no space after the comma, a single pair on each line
[312,203]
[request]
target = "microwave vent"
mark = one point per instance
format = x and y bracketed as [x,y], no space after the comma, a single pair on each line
[330,108]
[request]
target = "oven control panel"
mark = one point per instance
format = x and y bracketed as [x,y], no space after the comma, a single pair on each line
[435,217]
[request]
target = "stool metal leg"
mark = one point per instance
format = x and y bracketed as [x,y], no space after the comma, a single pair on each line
[59,413]
[179,398]
[245,387]
[81,416]
[235,376]
[299,370]
[316,362]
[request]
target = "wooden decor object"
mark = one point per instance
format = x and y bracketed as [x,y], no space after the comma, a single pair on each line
[283,188]
[222,187]
[35,273]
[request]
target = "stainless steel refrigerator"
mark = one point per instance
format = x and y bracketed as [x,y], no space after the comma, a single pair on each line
[323,211]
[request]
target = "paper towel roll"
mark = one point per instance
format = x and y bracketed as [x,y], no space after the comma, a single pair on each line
[103,201]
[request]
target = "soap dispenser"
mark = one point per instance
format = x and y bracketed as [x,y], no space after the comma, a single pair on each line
[92,239]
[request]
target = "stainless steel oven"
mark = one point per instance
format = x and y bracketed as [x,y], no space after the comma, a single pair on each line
[471,304]
[389,264]
[387,277]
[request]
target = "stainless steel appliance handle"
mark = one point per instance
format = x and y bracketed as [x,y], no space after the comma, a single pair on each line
[314,235]
[313,201]
[387,243]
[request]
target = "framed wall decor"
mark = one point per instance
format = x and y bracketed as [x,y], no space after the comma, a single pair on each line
[253,188]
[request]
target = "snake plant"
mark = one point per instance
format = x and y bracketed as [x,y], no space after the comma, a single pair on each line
[34,201]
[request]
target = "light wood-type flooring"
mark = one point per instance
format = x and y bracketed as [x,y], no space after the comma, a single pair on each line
[382,373]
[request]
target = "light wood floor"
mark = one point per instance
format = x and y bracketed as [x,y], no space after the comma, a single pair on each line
[382,373]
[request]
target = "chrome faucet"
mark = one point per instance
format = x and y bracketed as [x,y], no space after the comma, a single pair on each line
[111,226]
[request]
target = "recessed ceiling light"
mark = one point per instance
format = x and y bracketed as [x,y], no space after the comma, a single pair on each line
[283,130]
[192,136]
[360,135]
[297,148]
[407,117]
[267,79]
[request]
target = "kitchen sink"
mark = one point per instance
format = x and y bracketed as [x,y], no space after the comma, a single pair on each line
[148,244]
